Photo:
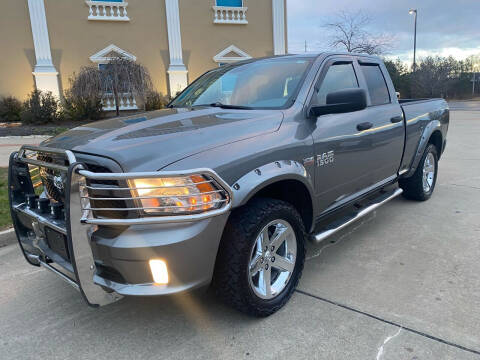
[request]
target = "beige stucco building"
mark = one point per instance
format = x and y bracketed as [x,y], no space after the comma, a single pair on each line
[44,42]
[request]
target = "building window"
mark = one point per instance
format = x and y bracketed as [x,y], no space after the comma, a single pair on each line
[238,3]
[230,12]
[111,10]
[126,100]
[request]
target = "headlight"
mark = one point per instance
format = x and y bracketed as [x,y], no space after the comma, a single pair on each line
[177,195]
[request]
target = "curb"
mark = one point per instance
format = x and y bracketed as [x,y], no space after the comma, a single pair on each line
[7,237]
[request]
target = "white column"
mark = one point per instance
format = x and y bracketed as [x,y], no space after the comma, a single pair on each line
[278,12]
[46,76]
[177,72]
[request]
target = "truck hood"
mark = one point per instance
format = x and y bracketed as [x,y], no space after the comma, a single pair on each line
[151,141]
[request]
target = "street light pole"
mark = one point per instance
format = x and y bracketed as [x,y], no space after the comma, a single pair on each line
[414,12]
[473,84]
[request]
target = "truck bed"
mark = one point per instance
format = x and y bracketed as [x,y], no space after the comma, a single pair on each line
[409,101]
[418,114]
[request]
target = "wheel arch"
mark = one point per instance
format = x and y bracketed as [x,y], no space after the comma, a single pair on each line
[436,138]
[432,134]
[283,180]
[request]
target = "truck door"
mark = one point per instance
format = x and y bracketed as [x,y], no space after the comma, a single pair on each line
[340,153]
[386,136]
[356,150]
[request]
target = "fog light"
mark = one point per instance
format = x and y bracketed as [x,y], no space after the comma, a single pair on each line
[159,271]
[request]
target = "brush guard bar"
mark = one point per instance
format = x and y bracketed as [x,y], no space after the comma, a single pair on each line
[80,220]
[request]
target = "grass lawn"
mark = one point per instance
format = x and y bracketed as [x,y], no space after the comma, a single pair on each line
[5,220]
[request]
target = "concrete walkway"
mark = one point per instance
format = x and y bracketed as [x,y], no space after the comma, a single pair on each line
[10,144]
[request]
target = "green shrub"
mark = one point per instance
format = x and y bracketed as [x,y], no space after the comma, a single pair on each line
[75,108]
[40,108]
[10,109]
[155,100]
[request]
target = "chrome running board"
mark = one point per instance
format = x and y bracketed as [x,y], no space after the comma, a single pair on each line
[324,234]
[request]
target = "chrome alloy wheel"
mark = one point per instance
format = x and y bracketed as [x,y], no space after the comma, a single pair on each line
[428,172]
[272,259]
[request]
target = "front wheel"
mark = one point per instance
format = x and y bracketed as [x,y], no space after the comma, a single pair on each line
[421,184]
[261,257]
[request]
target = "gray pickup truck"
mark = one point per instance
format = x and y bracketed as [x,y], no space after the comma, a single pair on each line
[225,186]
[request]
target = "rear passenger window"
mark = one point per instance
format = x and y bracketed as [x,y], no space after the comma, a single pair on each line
[377,87]
[338,77]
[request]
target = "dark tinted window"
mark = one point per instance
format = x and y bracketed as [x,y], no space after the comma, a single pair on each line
[338,77]
[237,3]
[377,87]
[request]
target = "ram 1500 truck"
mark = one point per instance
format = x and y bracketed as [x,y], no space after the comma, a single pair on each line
[225,186]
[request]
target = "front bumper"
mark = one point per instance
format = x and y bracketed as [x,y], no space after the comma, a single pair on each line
[107,258]
[189,250]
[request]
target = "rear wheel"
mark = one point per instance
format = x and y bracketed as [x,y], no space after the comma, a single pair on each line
[421,184]
[261,257]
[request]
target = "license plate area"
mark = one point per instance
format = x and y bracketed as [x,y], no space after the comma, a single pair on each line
[57,242]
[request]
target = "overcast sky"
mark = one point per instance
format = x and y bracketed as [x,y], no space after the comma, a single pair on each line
[445,27]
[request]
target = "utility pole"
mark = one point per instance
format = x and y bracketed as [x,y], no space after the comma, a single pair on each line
[305,45]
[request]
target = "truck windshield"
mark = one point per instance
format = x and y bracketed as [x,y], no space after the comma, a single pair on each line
[261,84]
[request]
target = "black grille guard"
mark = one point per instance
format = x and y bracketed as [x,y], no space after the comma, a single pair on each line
[82,266]
[79,222]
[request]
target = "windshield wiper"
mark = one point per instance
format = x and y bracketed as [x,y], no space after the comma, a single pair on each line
[226,106]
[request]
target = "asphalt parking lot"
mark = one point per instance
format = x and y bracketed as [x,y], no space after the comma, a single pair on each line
[402,284]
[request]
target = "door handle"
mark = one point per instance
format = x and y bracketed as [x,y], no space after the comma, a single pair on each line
[364,126]
[396,119]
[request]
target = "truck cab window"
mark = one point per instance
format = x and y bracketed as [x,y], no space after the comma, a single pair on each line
[338,77]
[377,87]
[263,84]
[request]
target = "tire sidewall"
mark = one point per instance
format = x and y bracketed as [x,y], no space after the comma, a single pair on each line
[289,216]
[433,150]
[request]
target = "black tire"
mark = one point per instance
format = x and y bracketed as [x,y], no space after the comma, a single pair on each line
[413,186]
[231,278]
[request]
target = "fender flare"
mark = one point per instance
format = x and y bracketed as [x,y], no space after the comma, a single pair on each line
[252,182]
[431,127]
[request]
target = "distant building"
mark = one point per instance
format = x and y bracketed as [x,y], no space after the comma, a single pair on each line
[44,42]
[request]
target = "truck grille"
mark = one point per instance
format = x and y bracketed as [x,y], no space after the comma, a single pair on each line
[52,183]
[52,180]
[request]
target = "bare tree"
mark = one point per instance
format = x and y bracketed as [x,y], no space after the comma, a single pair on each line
[117,77]
[87,84]
[348,30]
[122,76]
